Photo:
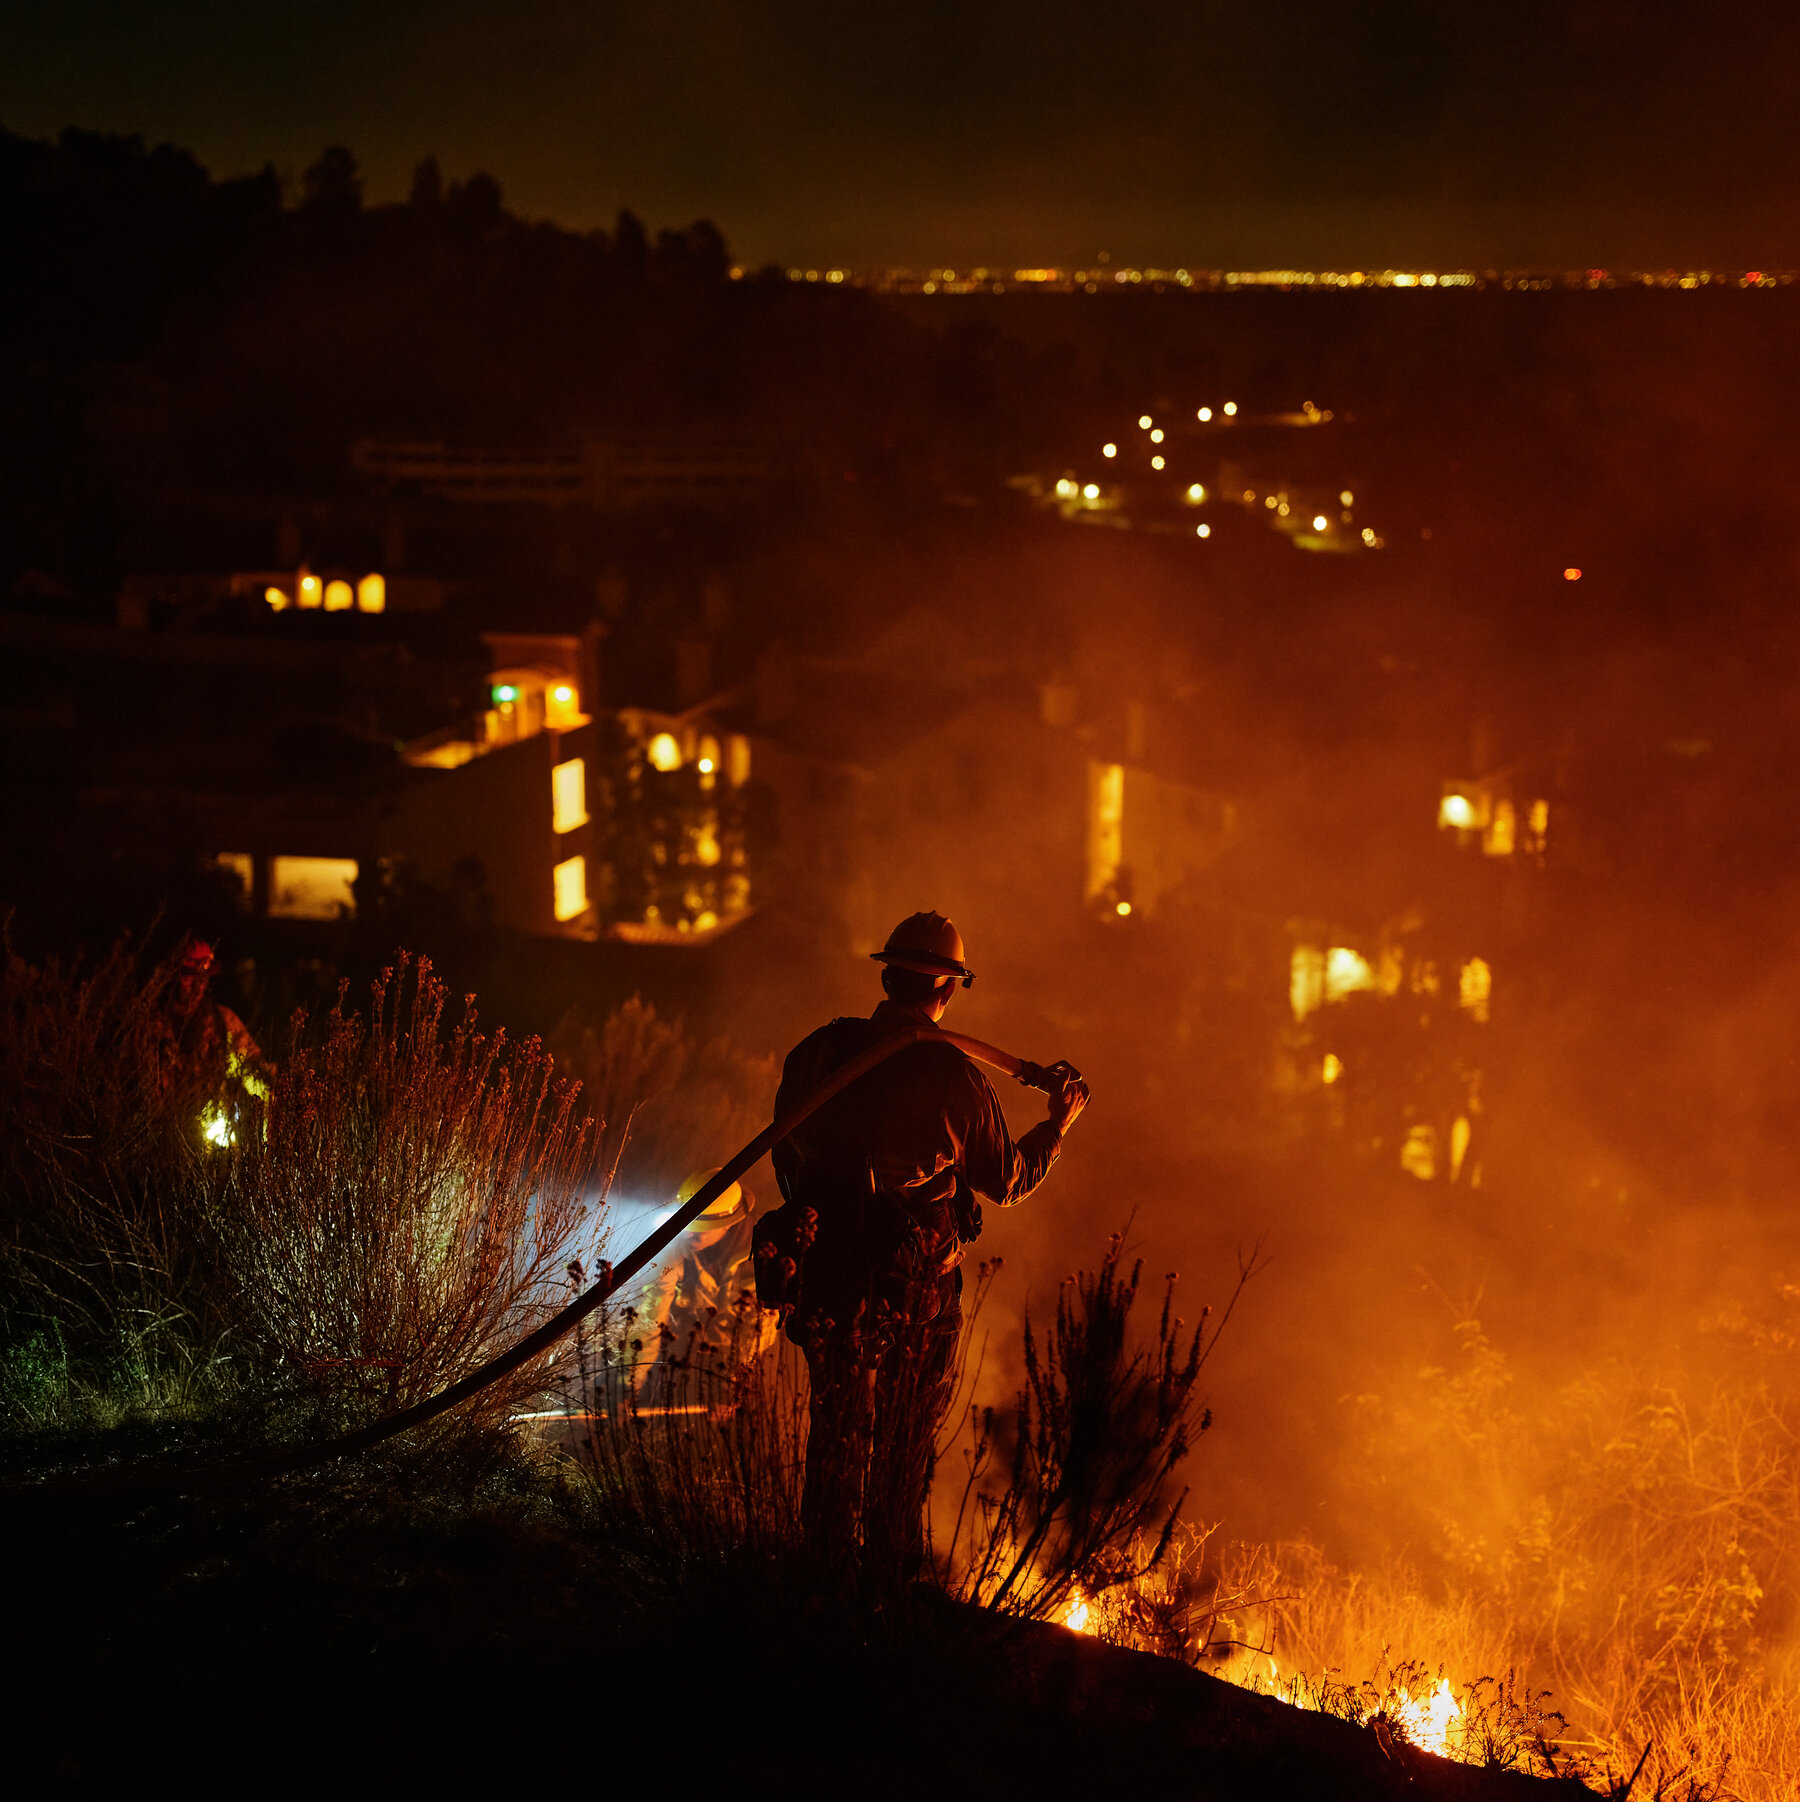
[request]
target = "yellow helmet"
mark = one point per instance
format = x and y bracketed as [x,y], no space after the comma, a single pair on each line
[929,944]
[727,1203]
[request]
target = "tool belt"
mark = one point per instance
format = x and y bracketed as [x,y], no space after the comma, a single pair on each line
[843,1247]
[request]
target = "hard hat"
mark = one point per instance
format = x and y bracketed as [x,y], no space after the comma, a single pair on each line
[929,944]
[727,1203]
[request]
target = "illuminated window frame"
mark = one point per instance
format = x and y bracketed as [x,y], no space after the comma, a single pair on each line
[570,878]
[568,795]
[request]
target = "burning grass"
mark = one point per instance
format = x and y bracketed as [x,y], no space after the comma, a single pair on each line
[1621,1547]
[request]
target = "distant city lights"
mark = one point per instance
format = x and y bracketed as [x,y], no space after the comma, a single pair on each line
[1202,281]
[1203,531]
[1091,492]
[1196,494]
[1204,415]
[1143,422]
[1156,462]
[1156,437]
[1347,498]
[1230,409]
[1319,522]
[1109,450]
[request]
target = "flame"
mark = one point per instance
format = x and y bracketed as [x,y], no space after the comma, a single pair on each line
[1075,1616]
[1428,1721]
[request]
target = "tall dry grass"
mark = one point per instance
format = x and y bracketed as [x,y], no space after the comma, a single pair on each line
[667,1103]
[1619,1550]
[101,1143]
[392,1213]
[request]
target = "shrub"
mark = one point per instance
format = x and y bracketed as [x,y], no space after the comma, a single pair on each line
[400,1210]
[1099,1428]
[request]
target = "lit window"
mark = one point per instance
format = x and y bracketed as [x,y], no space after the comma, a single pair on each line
[737,758]
[1106,825]
[1418,1156]
[340,597]
[571,887]
[707,850]
[568,795]
[1502,832]
[277,599]
[1332,1069]
[312,888]
[664,753]
[1474,986]
[1346,971]
[241,867]
[371,594]
[310,591]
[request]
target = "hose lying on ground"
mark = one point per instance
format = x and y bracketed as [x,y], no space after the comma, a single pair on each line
[144,1482]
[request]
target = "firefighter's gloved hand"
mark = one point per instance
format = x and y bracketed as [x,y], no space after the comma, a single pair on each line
[1067,1101]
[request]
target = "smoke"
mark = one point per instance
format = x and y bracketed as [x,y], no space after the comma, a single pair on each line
[1628,1102]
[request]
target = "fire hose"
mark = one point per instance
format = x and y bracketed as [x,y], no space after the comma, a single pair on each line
[611,1279]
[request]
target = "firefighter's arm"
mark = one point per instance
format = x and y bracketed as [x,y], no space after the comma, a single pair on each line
[996,1167]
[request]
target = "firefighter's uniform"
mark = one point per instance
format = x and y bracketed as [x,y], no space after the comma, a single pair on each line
[893,1169]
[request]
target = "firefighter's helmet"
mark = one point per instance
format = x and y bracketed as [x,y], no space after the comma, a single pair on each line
[726,1203]
[929,944]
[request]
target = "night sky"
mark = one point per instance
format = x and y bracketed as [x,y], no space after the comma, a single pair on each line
[1626,133]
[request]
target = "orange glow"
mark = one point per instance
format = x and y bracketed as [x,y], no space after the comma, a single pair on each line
[310,591]
[277,599]
[371,594]
[340,597]
[1571,574]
